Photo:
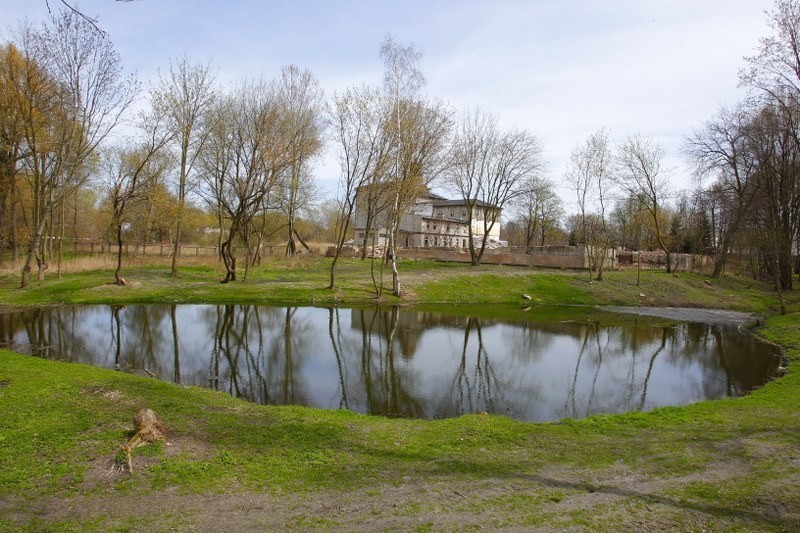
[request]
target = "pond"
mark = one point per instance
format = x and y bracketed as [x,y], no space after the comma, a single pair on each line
[406,362]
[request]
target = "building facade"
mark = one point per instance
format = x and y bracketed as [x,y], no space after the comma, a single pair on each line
[432,222]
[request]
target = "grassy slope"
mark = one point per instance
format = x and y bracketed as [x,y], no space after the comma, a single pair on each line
[61,424]
[303,281]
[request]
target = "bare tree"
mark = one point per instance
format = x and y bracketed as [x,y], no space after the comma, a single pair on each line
[589,175]
[302,99]
[774,72]
[518,157]
[184,97]
[489,169]
[91,21]
[84,99]
[358,118]
[249,148]
[127,169]
[539,209]
[775,147]
[402,82]
[602,165]
[639,173]
[472,154]
[720,150]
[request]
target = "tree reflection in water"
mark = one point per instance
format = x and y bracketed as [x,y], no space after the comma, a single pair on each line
[403,362]
[475,386]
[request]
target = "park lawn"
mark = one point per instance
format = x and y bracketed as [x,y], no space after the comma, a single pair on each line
[304,281]
[728,464]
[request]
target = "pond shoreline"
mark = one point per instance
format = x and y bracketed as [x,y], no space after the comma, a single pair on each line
[716,465]
[722,317]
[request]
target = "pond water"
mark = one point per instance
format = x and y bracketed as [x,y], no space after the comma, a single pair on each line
[404,362]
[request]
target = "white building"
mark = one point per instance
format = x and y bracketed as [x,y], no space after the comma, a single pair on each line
[432,222]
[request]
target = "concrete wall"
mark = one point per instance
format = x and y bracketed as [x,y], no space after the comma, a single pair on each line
[658,260]
[544,256]
[553,257]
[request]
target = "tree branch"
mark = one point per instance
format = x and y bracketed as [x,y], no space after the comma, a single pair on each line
[92,21]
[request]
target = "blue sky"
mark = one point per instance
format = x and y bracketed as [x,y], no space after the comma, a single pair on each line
[560,69]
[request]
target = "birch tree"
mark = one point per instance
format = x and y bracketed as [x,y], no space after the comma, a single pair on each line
[402,81]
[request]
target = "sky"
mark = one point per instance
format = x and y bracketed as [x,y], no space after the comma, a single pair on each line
[561,69]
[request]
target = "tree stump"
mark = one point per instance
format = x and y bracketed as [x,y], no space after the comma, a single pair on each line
[149,429]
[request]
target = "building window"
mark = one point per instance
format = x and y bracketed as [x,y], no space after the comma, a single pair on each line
[426,242]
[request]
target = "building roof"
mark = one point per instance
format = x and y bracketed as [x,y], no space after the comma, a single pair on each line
[460,221]
[434,196]
[453,203]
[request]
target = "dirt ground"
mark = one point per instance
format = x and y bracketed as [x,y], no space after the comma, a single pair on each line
[564,499]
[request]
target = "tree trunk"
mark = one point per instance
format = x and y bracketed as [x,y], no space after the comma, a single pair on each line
[367,229]
[176,249]
[31,256]
[291,247]
[60,247]
[300,239]
[720,261]
[117,278]
[393,252]
[339,245]
[777,277]
[486,230]
[229,259]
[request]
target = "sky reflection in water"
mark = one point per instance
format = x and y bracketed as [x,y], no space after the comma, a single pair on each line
[404,362]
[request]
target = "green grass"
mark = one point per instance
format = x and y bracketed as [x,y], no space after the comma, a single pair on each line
[304,281]
[62,424]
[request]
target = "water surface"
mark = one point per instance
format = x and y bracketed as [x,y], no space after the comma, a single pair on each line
[404,362]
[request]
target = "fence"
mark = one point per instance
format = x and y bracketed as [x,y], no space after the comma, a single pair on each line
[535,256]
[658,260]
[164,249]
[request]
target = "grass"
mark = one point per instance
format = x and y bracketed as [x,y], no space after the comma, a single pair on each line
[728,464]
[304,280]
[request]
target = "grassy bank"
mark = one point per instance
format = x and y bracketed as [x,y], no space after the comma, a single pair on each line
[731,464]
[303,281]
